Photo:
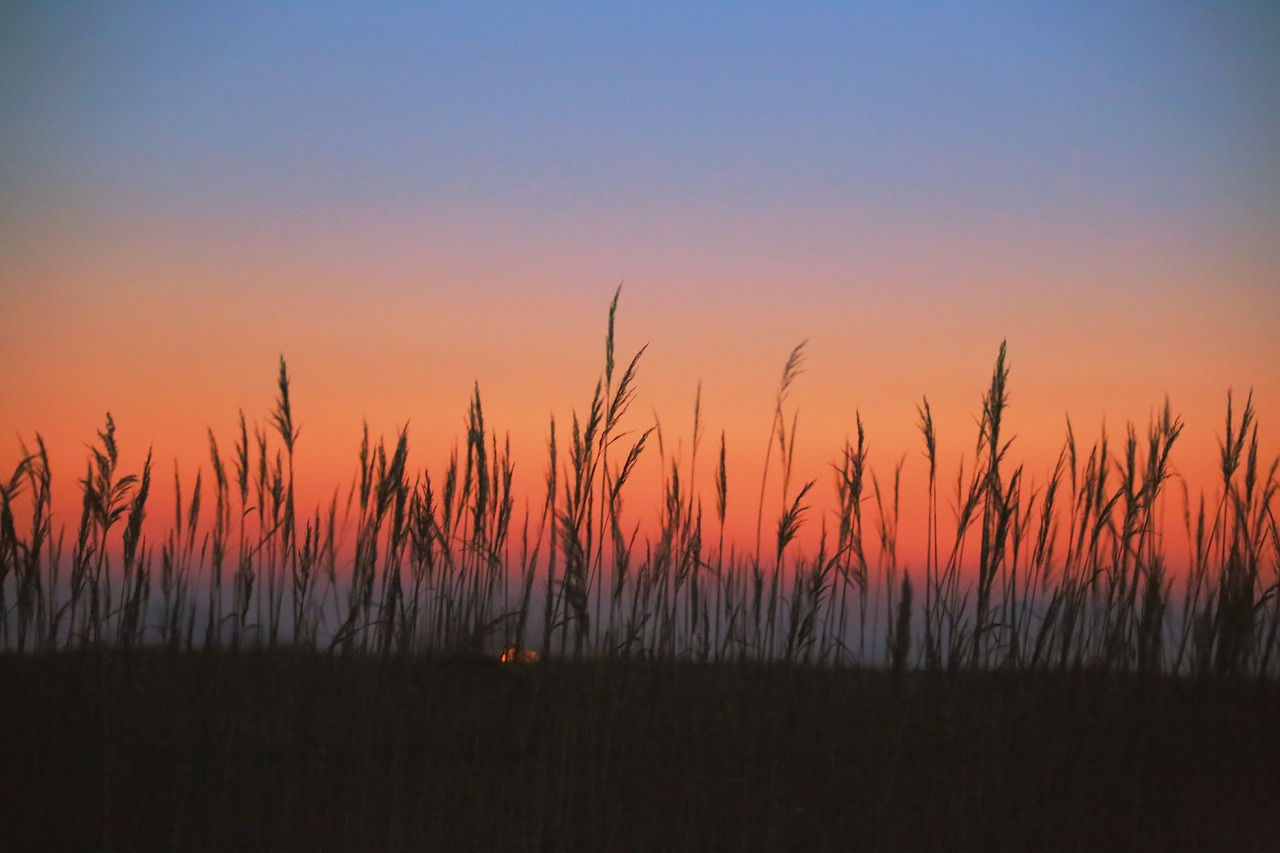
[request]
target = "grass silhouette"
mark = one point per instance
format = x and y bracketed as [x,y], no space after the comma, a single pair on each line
[248,681]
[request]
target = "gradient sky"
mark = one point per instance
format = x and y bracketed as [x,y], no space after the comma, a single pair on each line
[409,199]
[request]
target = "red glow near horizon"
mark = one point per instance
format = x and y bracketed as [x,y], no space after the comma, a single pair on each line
[328,473]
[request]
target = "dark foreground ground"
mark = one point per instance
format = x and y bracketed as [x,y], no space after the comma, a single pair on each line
[284,750]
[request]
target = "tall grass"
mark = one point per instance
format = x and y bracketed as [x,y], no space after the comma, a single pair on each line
[1068,574]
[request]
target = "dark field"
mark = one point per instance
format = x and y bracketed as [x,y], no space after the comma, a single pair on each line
[296,750]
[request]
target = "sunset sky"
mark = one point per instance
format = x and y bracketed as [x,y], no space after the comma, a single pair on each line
[408,199]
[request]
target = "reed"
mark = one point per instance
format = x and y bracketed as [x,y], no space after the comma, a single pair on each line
[1073,573]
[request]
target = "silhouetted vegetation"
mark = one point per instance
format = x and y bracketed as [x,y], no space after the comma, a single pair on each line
[1052,678]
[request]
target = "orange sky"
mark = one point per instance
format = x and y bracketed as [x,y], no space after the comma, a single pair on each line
[169,362]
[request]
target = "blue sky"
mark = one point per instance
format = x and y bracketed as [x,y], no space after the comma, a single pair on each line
[945,110]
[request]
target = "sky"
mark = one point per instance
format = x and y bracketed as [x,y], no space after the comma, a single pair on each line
[409,200]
